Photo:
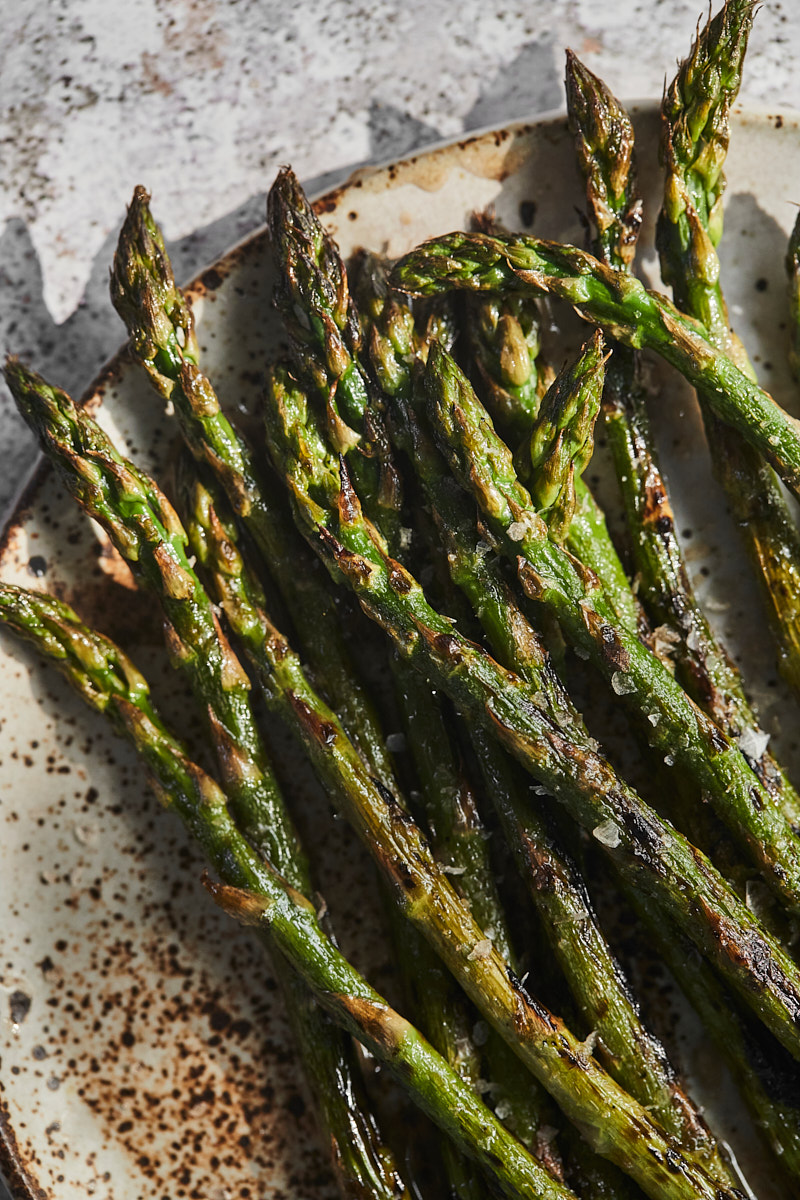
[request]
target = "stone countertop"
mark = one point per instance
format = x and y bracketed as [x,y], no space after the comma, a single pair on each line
[202,100]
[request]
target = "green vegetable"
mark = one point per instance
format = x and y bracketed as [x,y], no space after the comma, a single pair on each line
[646,849]
[256,894]
[694,144]
[604,140]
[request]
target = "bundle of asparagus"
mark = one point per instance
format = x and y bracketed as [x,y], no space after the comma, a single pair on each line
[435,441]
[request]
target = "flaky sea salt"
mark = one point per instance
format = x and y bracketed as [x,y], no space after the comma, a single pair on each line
[608,833]
[693,640]
[481,949]
[589,1043]
[753,742]
[622,684]
[665,640]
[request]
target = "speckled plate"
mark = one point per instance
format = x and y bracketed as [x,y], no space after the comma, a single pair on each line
[144,1050]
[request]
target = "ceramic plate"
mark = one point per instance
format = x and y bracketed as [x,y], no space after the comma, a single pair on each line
[144,1050]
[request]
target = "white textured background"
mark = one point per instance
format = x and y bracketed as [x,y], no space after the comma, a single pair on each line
[201,100]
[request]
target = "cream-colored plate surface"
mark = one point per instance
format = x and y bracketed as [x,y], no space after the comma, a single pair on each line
[144,1051]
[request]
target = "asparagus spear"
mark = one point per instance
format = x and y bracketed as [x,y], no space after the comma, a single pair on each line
[645,849]
[695,134]
[767,1082]
[146,530]
[623,307]
[671,721]
[457,833]
[504,342]
[560,441]
[311,274]
[459,839]
[512,381]
[161,327]
[628,1049]
[630,1052]
[604,141]
[613,1122]
[257,894]
[441,1012]
[313,297]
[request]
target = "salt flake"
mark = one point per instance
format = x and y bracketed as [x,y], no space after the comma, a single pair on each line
[608,833]
[665,640]
[622,684]
[753,742]
[481,949]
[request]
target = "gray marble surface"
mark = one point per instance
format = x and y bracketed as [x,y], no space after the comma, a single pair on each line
[202,100]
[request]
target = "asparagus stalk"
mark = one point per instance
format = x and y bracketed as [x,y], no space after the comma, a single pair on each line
[507,350]
[145,529]
[161,327]
[604,141]
[336,330]
[503,335]
[457,831]
[459,840]
[768,1084]
[560,442]
[694,143]
[613,1122]
[625,1046]
[257,894]
[673,724]
[625,310]
[312,281]
[441,1013]
[645,849]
